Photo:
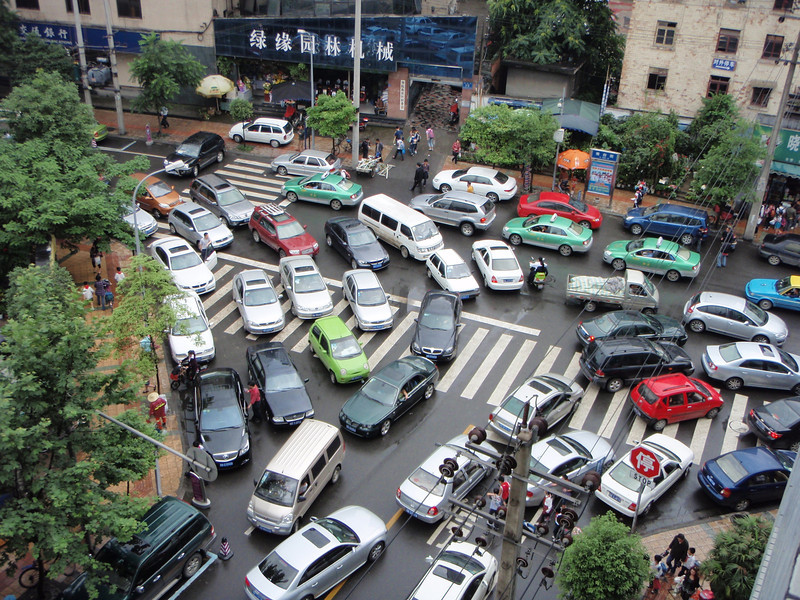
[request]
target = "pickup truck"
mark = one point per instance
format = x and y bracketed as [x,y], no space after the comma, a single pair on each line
[631,291]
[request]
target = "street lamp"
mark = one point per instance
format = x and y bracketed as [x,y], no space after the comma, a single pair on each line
[311,52]
[558,137]
[173,165]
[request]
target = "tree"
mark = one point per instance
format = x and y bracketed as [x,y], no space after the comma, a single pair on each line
[163,67]
[718,115]
[332,116]
[61,507]
[241,110]
[9,20]
[604,561]
[33,53]
[507,137]
[648,145]
[734,561]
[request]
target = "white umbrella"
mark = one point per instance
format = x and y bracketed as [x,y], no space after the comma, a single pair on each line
[214,86]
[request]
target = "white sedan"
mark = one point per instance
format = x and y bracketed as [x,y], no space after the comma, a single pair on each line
[368,301]
[305,286]
[257,301]
[449,270]
[487,182]
[498,265]
[191,330]
[619,486]
[462,570]
[184,264]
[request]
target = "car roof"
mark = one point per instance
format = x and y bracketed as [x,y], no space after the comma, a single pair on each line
[200,136]
[299,263]
[545,196]
[173,245]
[727,300]
[333,327]
[756,460]
[189,300]
[347,223]
[794,280]
[482,171]
[272,211]
[191,209]
[670,383]
[270,121]
[469,197]
[318,153]
[620,345]
[438,298]
[363,277]
[493,246]
[660,244]
[668,443]
[449,256]
[271,352]
[397,372]
[455,448]
[552,219]
[255,277]
[682,210]
[213,180]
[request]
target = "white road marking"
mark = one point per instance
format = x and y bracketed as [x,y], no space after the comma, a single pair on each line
[391,341]
[700,437]
[464,356]
[637,431]
[511,373]
[613,413]
[573,368]
[487,365]
[731,438]
[548,360]
[581,413]
[222,314]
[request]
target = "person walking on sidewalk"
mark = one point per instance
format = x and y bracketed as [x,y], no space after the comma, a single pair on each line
[96,256]
[398,134]
[413,140]
[728,244]
[426,168]
[87,292]
[456,151]
[164,112]
[365,149]
[119,275]
[101,286]
[431,138]
[677,550]
[158,410]
[418,173]
[400,149]
[378,150]
[205,247]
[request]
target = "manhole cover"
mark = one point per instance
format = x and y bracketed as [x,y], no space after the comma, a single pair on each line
[739,426]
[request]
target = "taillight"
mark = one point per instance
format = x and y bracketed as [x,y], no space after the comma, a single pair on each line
[522,278]
[491,416]
[509,190]
[398,492]
[529,494]
[711,365]
[483,219]
[691,309]
[433,511]
[725,493]
[586,242]
[775,435]
[353,196]
[494,279]
[599,373]
[632,506]
[591,339]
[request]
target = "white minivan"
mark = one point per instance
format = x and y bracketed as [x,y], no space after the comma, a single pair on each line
[401,226]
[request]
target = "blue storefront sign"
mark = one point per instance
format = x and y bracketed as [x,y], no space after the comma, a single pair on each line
[602,172]
[93,37]
[724,64]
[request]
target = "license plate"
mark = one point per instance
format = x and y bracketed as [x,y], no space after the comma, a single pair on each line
[614,497]
[226,464]
[316,314]
[350,428]
[430,356]
[509,280]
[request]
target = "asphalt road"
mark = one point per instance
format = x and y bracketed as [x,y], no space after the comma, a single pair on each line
[505,338]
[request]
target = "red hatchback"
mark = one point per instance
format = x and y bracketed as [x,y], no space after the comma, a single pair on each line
[561,204]
[281,231]
[671,398]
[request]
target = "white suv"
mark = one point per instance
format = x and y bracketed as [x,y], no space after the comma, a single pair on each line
[275,132]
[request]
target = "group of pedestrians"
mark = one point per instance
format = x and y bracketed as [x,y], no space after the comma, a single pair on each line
[101,288]
[779,218]
[680,558]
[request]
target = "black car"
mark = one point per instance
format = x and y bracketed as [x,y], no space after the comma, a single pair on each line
[436,333]
[615,362]
[631,323]
[195,152]
[356,243]
[780,248]
[777,423]
[220,415]
[388,394]
[282,389]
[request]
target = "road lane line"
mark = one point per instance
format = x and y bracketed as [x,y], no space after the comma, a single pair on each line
[222,314]
[391,340]
[512,372]
[464,356]
[731,438]
[395,517]
[290,327]
[612,414]
[219,294]
[489,363]
[700,437]
[236,326]
[548,360]
[573,368]
[581,413]
[637,431]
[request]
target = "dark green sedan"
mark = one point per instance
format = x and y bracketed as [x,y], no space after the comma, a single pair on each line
[388,394]
[323,188]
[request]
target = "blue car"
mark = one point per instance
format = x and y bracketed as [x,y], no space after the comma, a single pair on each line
[783,293]
[669,220]
[742,477]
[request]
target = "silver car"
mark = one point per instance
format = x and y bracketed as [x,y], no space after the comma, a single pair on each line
[464,210]
[323,553]
[368,301]
[145,222]
[307,162]
[751,364]
[257,301]
[462,571]
[735,317]
[306,287]
[222,198]
[426,493]
[192,221]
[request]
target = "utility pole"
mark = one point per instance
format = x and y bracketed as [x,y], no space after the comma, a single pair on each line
[87,95]
[763,178]
[356,89]
[112,56]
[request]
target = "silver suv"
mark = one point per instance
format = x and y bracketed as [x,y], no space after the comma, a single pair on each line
[464,210]
[733,316]
[222,198]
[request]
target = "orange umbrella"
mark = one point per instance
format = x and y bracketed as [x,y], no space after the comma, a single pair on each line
[573,159]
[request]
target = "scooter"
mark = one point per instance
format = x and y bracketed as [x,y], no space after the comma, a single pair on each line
[537,277]
[180,375]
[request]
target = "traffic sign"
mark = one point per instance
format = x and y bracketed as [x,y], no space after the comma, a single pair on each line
[645,462]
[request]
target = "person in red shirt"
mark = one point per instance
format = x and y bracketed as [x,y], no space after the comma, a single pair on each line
[255,402]
[505,489]
[158,409]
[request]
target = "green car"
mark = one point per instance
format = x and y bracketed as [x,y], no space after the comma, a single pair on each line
[324,188]
[653,255]
[338,349]
[549,231]
[100,132]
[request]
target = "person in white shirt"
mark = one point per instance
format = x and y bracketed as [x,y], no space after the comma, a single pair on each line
[119,275]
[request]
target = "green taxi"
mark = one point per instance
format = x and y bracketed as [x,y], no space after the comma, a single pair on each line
[653,255]
[338,349]
[549,231]
[323,188]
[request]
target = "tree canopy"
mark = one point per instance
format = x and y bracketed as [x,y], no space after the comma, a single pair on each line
[332,116]
[718,116]
[33,53]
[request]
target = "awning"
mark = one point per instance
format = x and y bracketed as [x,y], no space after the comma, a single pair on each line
[575,114]
[787,169]
[299,91]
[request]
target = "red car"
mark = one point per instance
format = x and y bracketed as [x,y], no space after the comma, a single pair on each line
[281,231]
[671,398]
[561,204]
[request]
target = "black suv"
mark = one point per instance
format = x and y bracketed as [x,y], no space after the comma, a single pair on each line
[780,248]
[222,198]
[195,152]
[613,363]
[632,323]
[282,389]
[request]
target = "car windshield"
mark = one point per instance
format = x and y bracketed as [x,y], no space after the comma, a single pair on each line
[216,418]
[370,297]
[758,315]
[206,222]
[500,178]
[578,204]
[290,230]
[729,352]
[184,261]
[306,284]
[276,488]
[189,326]
[123,565]
[158,189]
[230,197]
[433,484]
[361,237]
[424,231]
[647,394]
[781,285]
[733,469]
[634,245]
[464,561]
[650,210]
[380,391]
[339,530]
[284,380]
[277,571]
[346,347]
[259,297]
[190,150]
[504,264]
[787,359]
[458,271]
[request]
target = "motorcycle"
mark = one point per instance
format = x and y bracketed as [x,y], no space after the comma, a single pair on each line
[180,375]
[537,276]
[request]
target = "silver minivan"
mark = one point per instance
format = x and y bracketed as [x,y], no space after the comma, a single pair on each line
[295,476]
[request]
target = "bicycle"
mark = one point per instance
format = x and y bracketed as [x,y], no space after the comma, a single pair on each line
[29,575]
[342,144]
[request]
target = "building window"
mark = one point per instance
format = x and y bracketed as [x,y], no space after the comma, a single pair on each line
[34,4]
[129,8]
[657,80]
[772,46]
[783,5]
[665,33]
[760,96]
[83,7]
[728,41]
[718,85]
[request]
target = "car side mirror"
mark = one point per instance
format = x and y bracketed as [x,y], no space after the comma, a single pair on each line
[140,589]
[280,296]
[305,226]
[306,380]
[459,325]
[255,482]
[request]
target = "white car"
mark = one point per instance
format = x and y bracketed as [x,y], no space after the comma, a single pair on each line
[368,301]
[191,330]
[449,270]
[462,570]
[305,286]
[258,303]
[498,265]
[184,264]
[275,132]
[619,487]
[487,182]
[146,223]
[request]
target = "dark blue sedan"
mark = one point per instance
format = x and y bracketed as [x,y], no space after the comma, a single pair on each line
[742,477]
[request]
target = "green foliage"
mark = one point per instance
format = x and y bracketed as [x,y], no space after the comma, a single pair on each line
[718,115]
[8,37]
[225,65]
[48,398]
[33,53]
[604,561]
[298,71]
[332,115]
[736,557]
[508,137]
[241,110]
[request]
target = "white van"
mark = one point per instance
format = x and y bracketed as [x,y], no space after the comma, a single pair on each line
[295,476]
[411,232]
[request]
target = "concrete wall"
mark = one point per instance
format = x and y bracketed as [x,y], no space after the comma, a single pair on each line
[524,83]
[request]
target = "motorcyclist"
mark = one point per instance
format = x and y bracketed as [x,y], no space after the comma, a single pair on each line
[190,366]
[538,271]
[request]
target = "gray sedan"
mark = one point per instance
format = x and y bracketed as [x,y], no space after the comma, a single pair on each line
[751,364]
[307,162]
[368,301]
[319,556]
[733,316]
[257,301]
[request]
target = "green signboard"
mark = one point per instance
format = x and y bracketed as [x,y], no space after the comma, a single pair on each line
[787,149]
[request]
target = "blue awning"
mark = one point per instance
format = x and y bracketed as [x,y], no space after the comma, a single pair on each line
[787,169]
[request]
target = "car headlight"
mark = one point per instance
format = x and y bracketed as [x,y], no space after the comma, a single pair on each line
[293,252]
[310,414]
[606,253]
[448,350]
[366,366]
[250,511]
[245,444]
[415,347]
[343,371]
[505,229]
[363,262]
[315,246]
[278,420]
[162,205]
[288,518]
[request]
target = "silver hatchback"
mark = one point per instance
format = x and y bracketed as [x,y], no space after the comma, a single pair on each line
[733,316]
[464,210]
[750,364]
